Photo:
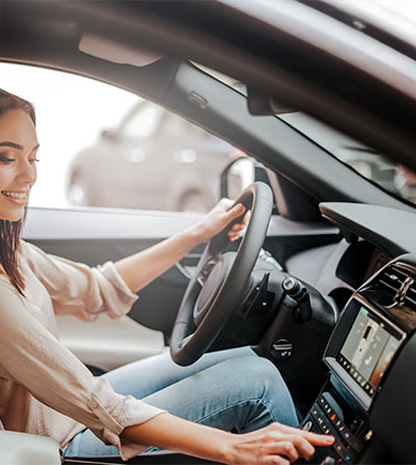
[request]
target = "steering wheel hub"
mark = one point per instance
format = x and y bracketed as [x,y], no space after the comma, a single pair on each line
[212,285]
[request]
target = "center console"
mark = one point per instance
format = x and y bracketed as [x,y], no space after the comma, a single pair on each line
[366,343]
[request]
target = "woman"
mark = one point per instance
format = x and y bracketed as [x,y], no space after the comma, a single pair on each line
[45,390]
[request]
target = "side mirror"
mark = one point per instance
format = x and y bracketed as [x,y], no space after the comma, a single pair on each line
[239,174]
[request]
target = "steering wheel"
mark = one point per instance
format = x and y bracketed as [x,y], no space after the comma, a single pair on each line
[218,284]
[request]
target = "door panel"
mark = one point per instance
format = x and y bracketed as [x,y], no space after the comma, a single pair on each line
[94,236]
[107,344]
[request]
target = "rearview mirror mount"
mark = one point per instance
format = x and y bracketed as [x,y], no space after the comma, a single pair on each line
[260,103]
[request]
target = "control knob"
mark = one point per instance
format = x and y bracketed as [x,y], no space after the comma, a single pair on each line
[300,293]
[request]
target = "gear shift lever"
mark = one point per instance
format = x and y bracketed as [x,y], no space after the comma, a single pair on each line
[298,292]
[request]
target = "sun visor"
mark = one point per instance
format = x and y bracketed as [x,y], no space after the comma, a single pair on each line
[115,52]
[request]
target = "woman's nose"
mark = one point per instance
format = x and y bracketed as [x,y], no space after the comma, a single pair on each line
[27,172]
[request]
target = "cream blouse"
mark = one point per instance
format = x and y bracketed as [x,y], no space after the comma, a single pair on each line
[44,388]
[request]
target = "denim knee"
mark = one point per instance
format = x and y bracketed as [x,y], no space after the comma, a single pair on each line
[265,383]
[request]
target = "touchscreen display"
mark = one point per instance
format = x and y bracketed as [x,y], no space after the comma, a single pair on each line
[368,349]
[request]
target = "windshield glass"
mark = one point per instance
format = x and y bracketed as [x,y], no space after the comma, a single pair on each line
[369,163]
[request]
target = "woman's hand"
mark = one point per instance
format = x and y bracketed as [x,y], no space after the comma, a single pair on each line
[275,444]
[220,217]
[140,269]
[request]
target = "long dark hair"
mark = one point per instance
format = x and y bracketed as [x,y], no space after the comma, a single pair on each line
[10,230]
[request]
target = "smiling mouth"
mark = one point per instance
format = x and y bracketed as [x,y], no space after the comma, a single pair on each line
[18,196]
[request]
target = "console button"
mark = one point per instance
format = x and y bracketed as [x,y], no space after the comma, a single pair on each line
[321,420]
[325,429]
[333,417]
[329,461]
[351,440]
[345,453]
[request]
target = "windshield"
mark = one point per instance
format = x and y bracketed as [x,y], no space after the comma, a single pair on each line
[366,161]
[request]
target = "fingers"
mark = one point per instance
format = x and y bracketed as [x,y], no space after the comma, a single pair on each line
[236,211]
[285,448]
[275,460]
[225,203]
[302,446]
[232,214]
[235,231]
[277,444]
[291,447]
[313,438]
[320,439]
[247,217]
[296,442]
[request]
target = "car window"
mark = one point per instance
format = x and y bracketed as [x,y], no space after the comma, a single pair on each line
[105,147]
[71,113]
[142,123]
[175,126]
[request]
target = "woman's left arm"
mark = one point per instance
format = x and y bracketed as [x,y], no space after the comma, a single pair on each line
[140,269]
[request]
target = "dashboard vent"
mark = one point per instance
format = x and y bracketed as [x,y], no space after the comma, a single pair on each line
[392,279]
[410,299]
[395,278]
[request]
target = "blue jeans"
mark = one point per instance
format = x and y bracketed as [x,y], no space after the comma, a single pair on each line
[234,390]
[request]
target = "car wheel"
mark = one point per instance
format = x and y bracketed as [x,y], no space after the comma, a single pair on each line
[80,192]
[194,202]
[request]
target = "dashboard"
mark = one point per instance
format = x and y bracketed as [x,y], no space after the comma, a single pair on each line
[367,402]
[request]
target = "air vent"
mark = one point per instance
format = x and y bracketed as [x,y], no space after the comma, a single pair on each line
[392,279]
[410,298]
[399,283]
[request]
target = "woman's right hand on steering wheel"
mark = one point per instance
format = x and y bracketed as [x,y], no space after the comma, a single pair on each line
[275,444]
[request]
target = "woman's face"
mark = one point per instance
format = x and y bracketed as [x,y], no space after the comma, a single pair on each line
[18,147]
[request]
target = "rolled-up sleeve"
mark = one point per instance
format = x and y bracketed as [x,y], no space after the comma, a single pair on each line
[77,289]
[33,357]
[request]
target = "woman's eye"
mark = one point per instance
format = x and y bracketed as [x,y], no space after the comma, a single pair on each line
[7,160]
[33,160]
